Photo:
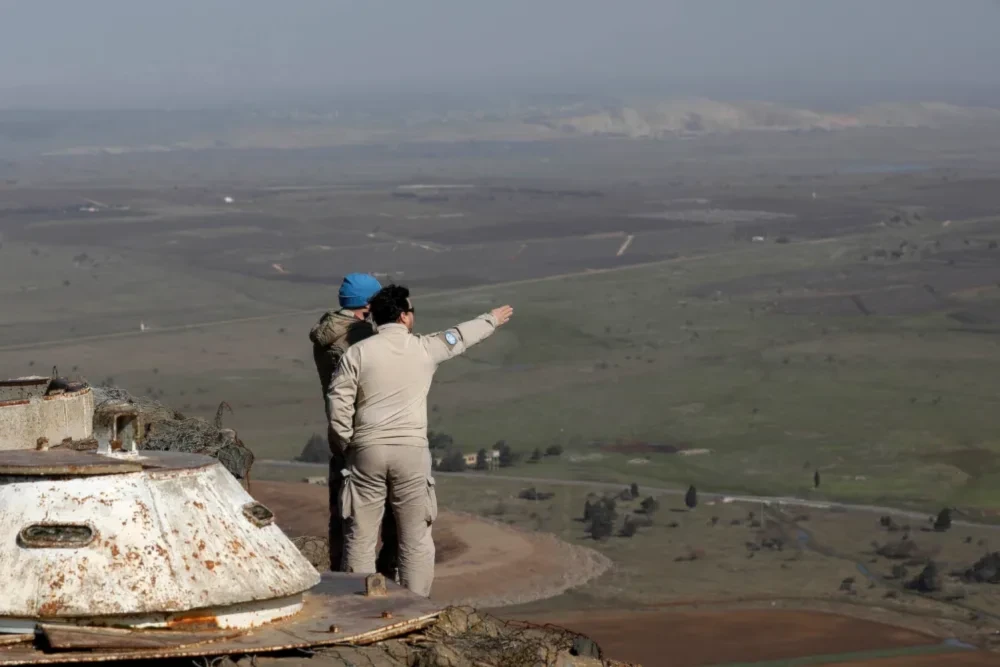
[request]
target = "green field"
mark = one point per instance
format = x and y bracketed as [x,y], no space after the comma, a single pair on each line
[865,347]
[887,408]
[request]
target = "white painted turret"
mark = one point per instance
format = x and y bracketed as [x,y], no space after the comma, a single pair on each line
[148,539]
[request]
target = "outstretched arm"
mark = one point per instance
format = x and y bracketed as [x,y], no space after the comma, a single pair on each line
[340,399]
[455,341]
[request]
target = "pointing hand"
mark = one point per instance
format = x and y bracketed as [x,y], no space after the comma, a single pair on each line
[503,314]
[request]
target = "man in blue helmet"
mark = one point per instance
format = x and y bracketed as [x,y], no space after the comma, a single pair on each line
[336,331]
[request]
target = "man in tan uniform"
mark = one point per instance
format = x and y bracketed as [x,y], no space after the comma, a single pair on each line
[378,404]
[336,331]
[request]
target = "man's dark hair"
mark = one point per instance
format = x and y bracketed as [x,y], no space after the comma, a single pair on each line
[389,303]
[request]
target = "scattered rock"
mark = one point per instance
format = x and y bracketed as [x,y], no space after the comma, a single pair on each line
[315,549]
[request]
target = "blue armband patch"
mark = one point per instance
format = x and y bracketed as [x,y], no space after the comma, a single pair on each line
[450,338]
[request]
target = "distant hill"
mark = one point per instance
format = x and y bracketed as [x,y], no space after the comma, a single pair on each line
[702,116]
[118,132]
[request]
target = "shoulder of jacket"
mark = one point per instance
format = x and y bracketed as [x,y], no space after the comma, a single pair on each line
[331,328]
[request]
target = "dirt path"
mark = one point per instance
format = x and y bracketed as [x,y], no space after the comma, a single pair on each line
[480,562]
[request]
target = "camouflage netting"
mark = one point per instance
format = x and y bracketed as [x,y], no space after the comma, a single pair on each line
[315,549]
[164,429]
[463,637]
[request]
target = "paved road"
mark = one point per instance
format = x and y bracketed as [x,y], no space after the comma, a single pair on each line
[790,501]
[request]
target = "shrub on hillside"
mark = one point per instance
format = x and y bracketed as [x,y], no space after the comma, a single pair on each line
[453,461]
[317,450]
[691,498]
[507,455]
[650,505]
[629,529]
[943,521]
[437,440]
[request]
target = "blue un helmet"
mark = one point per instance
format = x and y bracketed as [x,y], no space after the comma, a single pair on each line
[358,289]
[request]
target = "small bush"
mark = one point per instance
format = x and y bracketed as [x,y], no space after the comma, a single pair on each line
[650,505]
[317,450]
[943,521]
[691,498]
[629,529]
[453,461]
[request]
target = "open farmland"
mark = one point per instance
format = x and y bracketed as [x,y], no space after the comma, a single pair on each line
[781,316]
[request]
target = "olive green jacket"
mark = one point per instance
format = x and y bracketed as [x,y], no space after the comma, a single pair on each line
[336,331]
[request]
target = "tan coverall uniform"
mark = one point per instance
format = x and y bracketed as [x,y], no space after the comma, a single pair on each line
[335,332]
[378,403]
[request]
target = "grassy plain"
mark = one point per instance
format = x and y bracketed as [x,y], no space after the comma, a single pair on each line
[713,555]
[866,347]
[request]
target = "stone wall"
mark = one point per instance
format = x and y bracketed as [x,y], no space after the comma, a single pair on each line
[56,417]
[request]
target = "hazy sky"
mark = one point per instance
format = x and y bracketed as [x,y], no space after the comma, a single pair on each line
[157,51]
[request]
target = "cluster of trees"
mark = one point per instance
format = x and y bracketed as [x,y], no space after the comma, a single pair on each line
[551,450]
[599,516]
[600,513]
[629,493]
[453,460]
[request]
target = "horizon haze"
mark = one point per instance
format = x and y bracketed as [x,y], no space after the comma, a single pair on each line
[113,54]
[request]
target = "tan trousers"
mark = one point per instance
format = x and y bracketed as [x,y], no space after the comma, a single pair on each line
[406,470]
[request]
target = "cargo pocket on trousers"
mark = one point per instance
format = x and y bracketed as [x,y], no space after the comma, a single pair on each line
[346,495]
[432,502]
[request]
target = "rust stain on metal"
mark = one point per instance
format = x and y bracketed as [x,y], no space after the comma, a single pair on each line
[51,608]
[210,564]
[11,640]
[194,622]
[386,614]
[375,586]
